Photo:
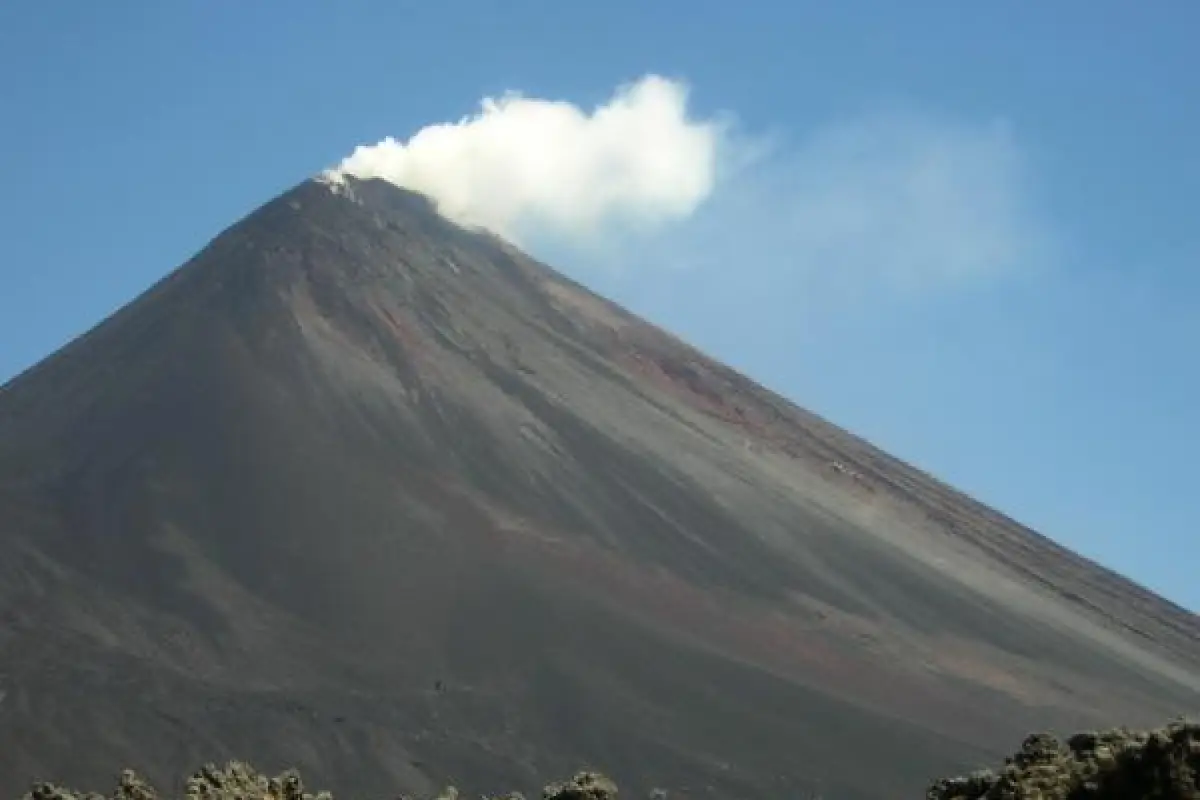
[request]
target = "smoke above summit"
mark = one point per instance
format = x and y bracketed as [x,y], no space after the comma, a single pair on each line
[529,165]
[886,199]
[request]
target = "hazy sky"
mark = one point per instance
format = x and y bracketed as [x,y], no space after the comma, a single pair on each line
[964,230]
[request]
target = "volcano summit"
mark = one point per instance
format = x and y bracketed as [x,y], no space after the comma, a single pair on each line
[367,493]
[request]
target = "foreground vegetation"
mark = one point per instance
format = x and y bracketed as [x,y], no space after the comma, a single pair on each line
[1162,764]
[1120,764]
[240,781]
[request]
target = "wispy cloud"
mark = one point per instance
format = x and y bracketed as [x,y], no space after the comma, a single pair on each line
[911,199]
[881,203]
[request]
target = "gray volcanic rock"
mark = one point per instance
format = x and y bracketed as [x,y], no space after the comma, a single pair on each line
[363,492]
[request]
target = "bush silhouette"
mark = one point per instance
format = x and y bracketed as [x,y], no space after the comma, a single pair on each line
[1162,764]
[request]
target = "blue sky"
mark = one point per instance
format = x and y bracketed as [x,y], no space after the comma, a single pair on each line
[1023,324]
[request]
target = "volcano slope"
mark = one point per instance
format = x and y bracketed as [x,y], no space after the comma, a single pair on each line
[360,491]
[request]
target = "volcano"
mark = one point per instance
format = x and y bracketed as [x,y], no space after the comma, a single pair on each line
[364,492]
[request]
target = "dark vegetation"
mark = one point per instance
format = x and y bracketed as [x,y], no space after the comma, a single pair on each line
[1162,764]
[1120,764]
[240,781]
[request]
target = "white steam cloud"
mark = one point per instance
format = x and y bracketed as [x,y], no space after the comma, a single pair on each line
[879,203]
[528,165]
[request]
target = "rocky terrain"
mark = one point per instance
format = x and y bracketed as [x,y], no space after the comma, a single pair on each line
[363,492]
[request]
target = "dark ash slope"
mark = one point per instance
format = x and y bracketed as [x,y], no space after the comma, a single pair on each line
[359,491]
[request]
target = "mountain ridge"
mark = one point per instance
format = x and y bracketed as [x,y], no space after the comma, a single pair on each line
[351,451]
